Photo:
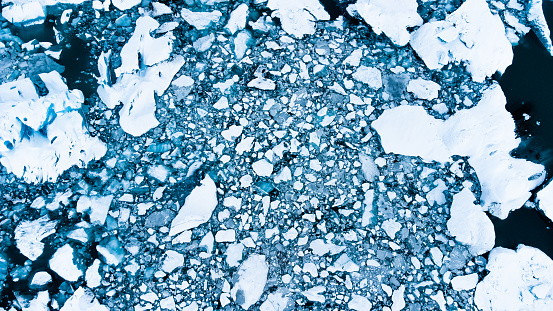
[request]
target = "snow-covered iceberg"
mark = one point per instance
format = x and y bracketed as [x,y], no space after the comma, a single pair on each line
[41,137]
[485,133]
[472,35]
[137,81]
[517,280]
[391,17]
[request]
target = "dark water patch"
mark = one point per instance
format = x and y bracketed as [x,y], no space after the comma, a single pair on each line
[524,226]
[334,8]
[42,32]
[79,66]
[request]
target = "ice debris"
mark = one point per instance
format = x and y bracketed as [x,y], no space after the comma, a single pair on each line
[277,301]
[29,234]
[469,224]
[517,280]
[252,276]
[471,34]
[484,133]
[24,118]
[423,89]
[197,208]
[200,20]
[138,81]
[298,17]
[83,299]
[63,263]
[536,18]
[393,17]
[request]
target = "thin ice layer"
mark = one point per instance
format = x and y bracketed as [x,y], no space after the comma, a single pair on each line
[471,34]
[517,280]
[298,17]
[393,17]
[138,81]
[469,224]
[197,208]
[485,133]
[41,137]
[252,277]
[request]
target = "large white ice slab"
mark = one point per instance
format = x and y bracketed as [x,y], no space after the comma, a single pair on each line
[252,277]
[471,34]
[29,234]
[41,137]
[298,17]
[137,82]
[469,224]
[485,133]
[63,263]
[517,280]
[83,299]
[392,17]
[197,208]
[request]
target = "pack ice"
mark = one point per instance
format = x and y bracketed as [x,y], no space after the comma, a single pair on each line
[471,34]
[137,81]
[485,133]
[41,137]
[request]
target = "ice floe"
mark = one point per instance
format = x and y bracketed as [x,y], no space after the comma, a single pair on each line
[252,276]
[393,17]
[197,208]
[517,280]
[298,17]
[63,263]
[138,81]
[29,234]
[469,224]
[485,133]
[24,118]
[472,35]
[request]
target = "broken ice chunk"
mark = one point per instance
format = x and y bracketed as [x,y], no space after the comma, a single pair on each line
[359,303]
[92,275]
[369,75]
[237,19]
[398,301]
[344,263]
[393,17]
[252,276]
[172,260]
[63,263]
[26,13]
[277,301]
[391,227]
[83,300]
[29,234]
[469,224]
[96,207]
[471,34]
[158,172]
[517,280]
[125,4]
[354,58]
[315,294]
[423,89]
[241,42]
[197,208]
[262,84]
[40,279]
[200,20]
[160,9]
[298,17]
[262,168]
[111,251]
[232,133]
[234,254]
[464,282]
[228,235]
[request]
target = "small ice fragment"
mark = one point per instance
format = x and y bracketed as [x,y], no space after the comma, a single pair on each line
[41,278]
[125,4]
[262,84]
[437,256]
[315,294]
[359,303]
[354,58]
[160,9]
[464,282]
[234,254]
[398,301]
[241,42]
[222,103]
[158,172]
[391,227]
[228,235]
[111,252]
[298,17]
[344,263]
[423,89]
[252,276]
[92,275]
[63,263]
[197,208]
[233,132]
[262,168]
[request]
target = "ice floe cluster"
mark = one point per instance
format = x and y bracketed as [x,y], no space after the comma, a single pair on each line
[258,155]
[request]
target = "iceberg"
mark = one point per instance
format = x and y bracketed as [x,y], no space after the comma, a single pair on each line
[471,34]
[391,17]
[520,279]
[138,81]
[298,17]
[44,136]
[485,133]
